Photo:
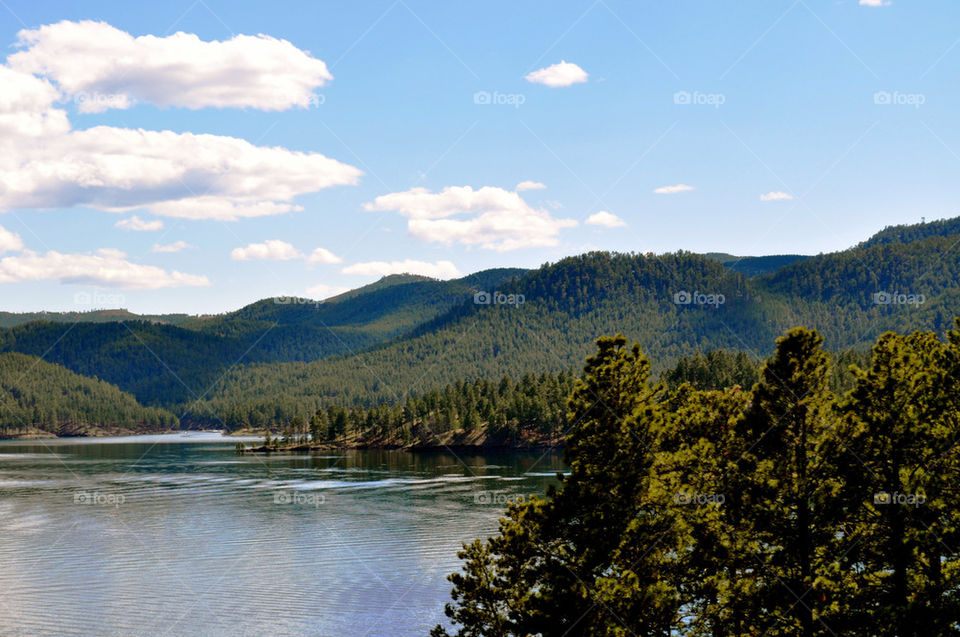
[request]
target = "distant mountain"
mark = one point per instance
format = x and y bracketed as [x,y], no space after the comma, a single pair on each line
[40,397]
[755,266]
[914,232]
[279,358]
[165,364]
[373,313]
[12,319]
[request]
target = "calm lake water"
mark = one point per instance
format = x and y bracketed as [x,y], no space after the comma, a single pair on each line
[172,535]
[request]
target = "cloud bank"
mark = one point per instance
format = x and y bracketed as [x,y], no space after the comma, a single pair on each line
[45,163]
[489,217]
[102,67]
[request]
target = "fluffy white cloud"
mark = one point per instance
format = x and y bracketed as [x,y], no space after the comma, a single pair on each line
[438,270]
[176,246]
[103,67]
[269,250]
[501,220]
[529,185]
[220,209]
[106,267]
[556,75]
[322,255]
[875,3]
[606,219]
[119,169]
[25,106]
[672,190]
[139,225]
[9,241]
[324,291]
[45,164]
[775,195]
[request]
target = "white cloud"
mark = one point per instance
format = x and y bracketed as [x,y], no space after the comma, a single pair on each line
[103,67]
[45,164]
[269,250]
[322,255]
[672,190]
[324,291]
[438,270]
[176,246]
[25,106]
[118,169]
[529,185]
[220,209]
[556,75]
[139,225]
[277,250]
[606,219]
[10,241]
[107,267]
[775,195]
[875,3]
[501,220]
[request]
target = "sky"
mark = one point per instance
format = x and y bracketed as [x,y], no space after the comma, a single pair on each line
[197,156]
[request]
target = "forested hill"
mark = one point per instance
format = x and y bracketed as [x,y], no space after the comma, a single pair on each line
[756,266]
[166,364]
[40,397]
[12,319]
[282,357]
[855,295]
[915,232]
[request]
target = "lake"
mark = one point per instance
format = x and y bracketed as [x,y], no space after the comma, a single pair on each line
[179,535]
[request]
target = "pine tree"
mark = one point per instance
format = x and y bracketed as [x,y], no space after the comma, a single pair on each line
[900,439]
[785,491]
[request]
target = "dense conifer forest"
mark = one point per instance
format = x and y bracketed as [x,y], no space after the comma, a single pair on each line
[41,397]
[782,509]
[281,360]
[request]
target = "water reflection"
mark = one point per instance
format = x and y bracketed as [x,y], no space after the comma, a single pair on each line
[162,535]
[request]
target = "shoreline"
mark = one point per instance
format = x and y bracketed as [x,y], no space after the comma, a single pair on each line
[306,448]
[453,441]
[100,432]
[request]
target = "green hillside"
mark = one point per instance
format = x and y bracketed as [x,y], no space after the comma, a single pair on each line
[407,335]
[755,266]
[12,319]
[165,364]
[566,305]
[914,232]
[37,396]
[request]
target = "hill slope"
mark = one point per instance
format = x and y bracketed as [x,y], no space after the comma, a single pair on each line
[176,364]
[39,396]
[270,361]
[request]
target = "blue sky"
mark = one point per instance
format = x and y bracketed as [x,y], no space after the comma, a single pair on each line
[842,113]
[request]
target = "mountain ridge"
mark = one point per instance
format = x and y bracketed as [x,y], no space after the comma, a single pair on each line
[406,334]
